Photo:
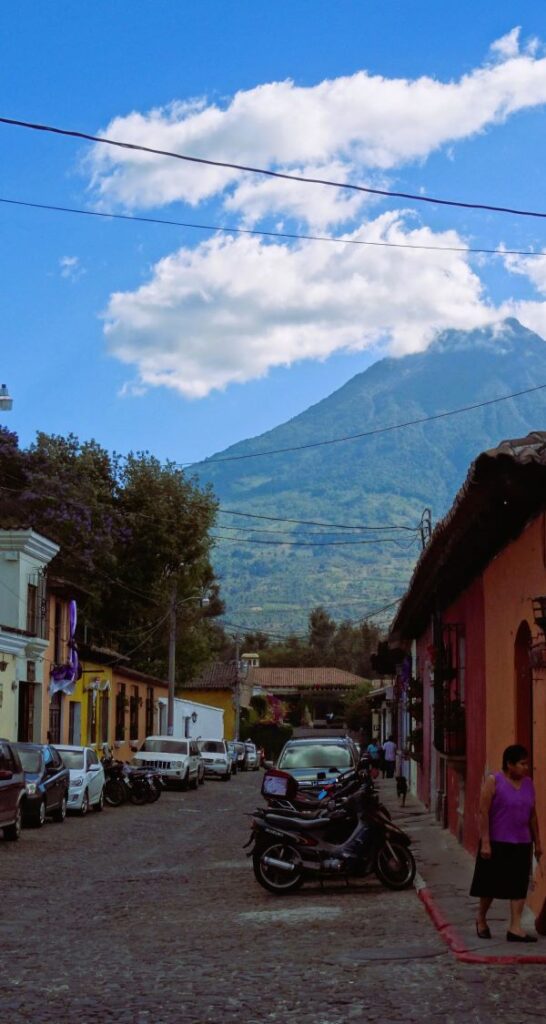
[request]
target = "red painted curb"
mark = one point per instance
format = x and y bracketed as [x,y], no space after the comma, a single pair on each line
[456,944]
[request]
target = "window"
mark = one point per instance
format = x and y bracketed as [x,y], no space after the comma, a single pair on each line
[57,634]
[6,760]
[120,714]
[91,758]
[92,716]
[104,717]
[74,722]
[133,714]
[149,711]
[32,607]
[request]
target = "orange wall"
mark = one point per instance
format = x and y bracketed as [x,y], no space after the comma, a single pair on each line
[510,582]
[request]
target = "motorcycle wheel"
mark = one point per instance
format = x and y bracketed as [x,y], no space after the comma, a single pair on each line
[154,792]
[395,866]
[139,795]
[114,793]
[274,879]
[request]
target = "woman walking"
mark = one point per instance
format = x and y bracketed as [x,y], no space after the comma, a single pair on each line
[508,829]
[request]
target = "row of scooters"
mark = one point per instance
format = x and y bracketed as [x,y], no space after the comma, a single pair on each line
[123,783]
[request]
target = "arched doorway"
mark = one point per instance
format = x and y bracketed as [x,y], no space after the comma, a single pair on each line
[523,680]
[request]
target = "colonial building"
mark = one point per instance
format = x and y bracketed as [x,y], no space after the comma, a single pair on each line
[474,620]
[24,556]
[311,694]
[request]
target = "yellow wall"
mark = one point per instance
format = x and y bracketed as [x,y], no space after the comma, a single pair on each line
[510,582]
[215,699]
[8,699]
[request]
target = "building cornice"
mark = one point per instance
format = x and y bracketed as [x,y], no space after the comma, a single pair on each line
[28,542]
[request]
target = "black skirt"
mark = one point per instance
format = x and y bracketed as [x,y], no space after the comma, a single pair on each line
[505,875]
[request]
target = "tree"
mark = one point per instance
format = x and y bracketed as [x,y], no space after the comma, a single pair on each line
[357,714]
[322,630]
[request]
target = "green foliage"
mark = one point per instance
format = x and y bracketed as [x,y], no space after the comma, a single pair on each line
[132,532]
[269,736]
[357,714]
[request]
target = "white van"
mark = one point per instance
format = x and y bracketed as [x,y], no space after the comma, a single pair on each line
[178,761]
[216,758]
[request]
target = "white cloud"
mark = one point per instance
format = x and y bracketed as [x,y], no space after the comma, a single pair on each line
[361,124]
[507,46]
[71,268]
[233,308]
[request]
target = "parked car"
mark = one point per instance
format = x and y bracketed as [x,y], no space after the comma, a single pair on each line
[252,758]
[46,782]
[311,761]
[87,779]
[178,761]
[12,791]
[232,753]
[216,758]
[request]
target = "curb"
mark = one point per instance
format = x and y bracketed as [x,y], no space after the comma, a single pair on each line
[454,941]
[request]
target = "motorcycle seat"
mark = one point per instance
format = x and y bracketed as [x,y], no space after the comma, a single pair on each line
[295,824]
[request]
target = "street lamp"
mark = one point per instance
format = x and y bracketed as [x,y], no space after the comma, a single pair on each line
[204,602]
[6,401]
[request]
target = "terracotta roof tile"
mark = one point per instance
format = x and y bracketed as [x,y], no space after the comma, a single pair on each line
[303,678]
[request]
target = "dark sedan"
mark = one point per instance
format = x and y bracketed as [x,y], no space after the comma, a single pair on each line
[313,761]
[46,781]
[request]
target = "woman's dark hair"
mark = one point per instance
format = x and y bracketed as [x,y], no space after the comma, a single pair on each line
[514,754]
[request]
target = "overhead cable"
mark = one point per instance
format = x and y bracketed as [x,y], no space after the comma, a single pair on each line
[290,235]
[266,172]
[373,432]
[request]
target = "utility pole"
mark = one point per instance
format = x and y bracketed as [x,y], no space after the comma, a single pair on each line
[172,661]
[237,687]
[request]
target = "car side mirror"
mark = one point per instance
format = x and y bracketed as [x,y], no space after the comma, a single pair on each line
[5,774]
[269,764]
[51,769]
[93,768]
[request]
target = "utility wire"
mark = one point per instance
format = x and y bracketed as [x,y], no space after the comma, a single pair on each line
[249,169]
[223,511]
[305,543]
[371,433]
[291,235]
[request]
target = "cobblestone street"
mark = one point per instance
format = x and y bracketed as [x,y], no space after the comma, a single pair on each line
[153,915]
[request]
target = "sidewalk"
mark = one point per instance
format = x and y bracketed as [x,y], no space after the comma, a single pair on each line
[444,875]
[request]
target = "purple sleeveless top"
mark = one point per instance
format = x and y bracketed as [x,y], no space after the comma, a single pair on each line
[510,812]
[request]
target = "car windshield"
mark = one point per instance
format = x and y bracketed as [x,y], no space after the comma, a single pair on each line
[31,760]
[315,755]
[164,747]
[72,759]
[212,747]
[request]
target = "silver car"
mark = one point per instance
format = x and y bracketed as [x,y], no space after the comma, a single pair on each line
[252,758]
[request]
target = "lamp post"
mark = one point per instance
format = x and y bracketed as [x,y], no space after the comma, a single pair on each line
[204,601]
[6,401]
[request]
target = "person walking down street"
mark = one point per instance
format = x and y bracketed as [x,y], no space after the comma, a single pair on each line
[372,751]
[508,830]
[389,757]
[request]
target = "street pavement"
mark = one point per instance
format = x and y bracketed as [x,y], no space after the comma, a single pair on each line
[151,915]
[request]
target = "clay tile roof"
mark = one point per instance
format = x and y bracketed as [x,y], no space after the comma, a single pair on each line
[504,490]
[302,678]
[216,676]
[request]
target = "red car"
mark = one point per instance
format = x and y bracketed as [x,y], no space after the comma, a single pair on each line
[12,790]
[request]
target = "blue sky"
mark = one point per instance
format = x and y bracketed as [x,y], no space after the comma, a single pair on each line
[212,339]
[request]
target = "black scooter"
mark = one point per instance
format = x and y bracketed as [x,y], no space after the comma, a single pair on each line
[348,841]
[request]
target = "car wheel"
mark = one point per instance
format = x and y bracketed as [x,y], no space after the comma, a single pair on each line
[38,817]
[185,782]
[194,782]
[226,777]
[60,814]
[85,804]
[100,803]
[202,777]
[13,832]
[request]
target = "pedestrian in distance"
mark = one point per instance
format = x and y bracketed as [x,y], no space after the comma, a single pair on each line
[389,757]
[372,751]
[508,830]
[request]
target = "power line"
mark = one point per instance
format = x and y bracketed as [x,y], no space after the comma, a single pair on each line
[305,543]
[370,433]
[223,511]
[290,235]
[249,169]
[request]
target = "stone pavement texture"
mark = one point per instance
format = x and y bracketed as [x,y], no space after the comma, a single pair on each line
[151,915]
[445,871]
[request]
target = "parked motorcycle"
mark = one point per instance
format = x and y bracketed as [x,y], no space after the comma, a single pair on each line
[115,791]
[138,785]
[347,837]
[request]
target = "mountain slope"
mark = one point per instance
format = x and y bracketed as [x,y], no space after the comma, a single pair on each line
[377,480]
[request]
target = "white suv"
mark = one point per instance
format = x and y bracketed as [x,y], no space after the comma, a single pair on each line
[178,761]
[216,758]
